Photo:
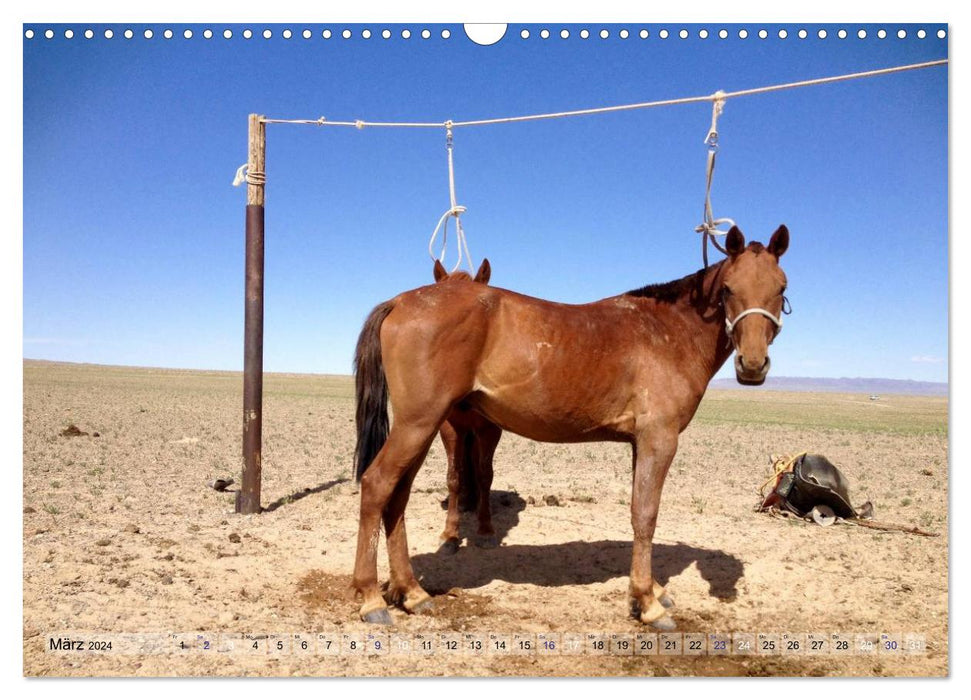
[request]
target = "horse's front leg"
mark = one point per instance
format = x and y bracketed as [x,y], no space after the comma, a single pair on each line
[654,451]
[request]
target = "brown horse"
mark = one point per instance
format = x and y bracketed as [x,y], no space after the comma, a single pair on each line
[631,368]
[470,441]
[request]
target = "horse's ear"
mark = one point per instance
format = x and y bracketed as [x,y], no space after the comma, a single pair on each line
[734,241]
[439,271]
[485,272]
[780,241]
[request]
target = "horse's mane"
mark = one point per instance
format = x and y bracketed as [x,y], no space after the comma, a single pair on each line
[670,292]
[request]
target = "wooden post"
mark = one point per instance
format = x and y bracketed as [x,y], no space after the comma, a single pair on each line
[248,496]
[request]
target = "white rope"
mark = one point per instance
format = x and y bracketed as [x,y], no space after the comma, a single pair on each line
[455,210]
[709,225]
[361,124]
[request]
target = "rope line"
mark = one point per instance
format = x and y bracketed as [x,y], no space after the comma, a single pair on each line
[250,177]
[361,124]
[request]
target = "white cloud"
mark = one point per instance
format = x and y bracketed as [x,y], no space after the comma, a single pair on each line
[927,359]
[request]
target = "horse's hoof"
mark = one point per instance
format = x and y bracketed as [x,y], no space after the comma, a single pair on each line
[379,616]
[448,547]
[486,541]
[664,624]
[666,600]
[422,607]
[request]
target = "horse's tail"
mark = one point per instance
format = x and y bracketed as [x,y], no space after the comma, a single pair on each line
[371,390]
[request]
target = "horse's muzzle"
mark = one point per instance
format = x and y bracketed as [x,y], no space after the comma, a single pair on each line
[749,377]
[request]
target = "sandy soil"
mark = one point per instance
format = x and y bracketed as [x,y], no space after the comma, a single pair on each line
[121,534]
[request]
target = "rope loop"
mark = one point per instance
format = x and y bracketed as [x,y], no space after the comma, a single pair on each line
[455,210]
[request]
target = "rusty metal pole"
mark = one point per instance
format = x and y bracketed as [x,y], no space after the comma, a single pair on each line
[248,496]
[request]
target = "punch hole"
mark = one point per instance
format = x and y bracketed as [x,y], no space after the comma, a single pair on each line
[207,34]
[763,34]
[821,33]
[129,33]
[306,34]
[346,34]
[187,34]
[287,34]
[902,34]
[722,33]
[486,34]
[88,34]
[683,34]
[446,34]
[29,34]
[247,34]
[861,33]
[841,33]
[327,34]
[624,33]
[109,34]
[643,34]
[425,34]
[544,34]
[49,34]
[941,34]
[743,34]
[584,33]
[882,34]
[524,34]
[783,33]
[564,33]
[168,34]
[366,34]
[227,34]
[663,33]
[604,34]
[386,34]
[405,33]
[921,34]
[148,34]
[68,33]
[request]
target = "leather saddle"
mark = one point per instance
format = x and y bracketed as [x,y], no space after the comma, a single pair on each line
[812,482]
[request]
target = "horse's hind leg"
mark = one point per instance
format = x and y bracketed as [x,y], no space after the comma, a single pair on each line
[454,444]
[653,454]
[487,439]
[397,460]
[404,587]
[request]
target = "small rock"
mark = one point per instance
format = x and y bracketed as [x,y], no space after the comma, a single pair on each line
[551,500]
[72,431]
[221,484]
[167,580]
[104,542]
[194,528]
[132,528]
[235,538]
[122,583]
[927,472]
[28,510]
[95,434]
[531,501]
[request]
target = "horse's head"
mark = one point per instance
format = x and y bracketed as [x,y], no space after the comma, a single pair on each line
[752,294]
[483,275]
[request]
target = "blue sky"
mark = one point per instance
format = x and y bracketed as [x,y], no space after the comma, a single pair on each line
[133,234]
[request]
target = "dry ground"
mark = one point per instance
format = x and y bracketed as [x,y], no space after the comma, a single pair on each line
[121,533]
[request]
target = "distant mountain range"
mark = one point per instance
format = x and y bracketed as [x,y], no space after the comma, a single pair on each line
[843,385]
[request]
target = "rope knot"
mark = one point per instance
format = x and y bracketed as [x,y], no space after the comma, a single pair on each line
[321,121]
[359,123]
[250,177]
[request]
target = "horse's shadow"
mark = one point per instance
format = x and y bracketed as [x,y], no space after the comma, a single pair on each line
[303,493]
[506,507]
[573,563]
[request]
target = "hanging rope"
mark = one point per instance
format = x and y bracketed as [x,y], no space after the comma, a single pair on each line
[709,226]
[455,210]
[250,177]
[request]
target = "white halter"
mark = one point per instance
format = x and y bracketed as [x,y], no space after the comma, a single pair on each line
[730,325]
